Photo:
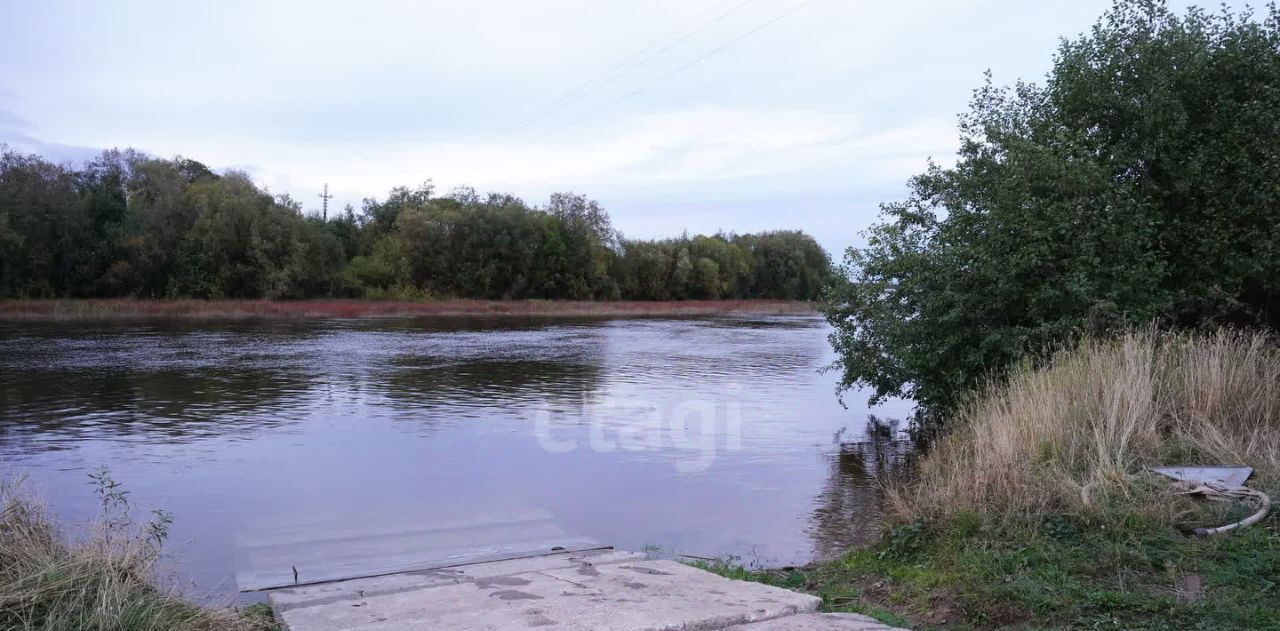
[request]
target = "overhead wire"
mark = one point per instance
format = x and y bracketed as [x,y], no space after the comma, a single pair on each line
[632,62]
[711,53]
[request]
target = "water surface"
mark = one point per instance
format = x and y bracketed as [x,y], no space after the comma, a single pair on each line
[705,436]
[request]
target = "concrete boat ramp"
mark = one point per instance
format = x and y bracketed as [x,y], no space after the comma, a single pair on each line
[528,581]
[587,591]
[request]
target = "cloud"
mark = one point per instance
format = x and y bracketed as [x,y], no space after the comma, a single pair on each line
[702,147]
[8,119]
[14,133]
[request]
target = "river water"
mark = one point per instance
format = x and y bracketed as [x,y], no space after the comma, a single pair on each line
[713,436]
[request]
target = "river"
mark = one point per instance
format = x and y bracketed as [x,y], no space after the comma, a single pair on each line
[713,436]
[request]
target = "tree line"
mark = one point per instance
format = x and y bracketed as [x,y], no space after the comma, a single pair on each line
[1139,184]
[128,224]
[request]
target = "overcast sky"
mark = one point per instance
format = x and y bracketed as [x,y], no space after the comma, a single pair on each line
[677,115]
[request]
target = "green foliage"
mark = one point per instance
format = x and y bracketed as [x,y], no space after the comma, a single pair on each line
[260,617]
[1137,184]
[1113,573]
[784,265]
[130,225]
[46,227]
[243,243]
[903,541]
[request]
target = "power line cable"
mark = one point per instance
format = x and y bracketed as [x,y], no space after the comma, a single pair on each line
[678,41]
[695,61]
[631,63]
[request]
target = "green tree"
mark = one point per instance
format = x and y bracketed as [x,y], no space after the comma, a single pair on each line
[159,217]
[103,265]
[705,282]
[243,243]
[786,264]
[588,240]
[318,262]
[681,274]
[126,224]
[381,217]
[732,265]
[384,269]
[10,249]
[50,232]
[1138,183]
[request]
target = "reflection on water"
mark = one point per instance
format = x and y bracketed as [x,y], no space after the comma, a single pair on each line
[163,404]
[233,425]
[847,511]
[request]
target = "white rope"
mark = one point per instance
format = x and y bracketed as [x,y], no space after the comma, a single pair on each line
[1213,492]
[1223,493]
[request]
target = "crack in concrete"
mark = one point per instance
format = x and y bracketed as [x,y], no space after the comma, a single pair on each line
[574,583]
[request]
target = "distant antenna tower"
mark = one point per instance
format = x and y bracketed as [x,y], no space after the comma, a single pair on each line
[326,197]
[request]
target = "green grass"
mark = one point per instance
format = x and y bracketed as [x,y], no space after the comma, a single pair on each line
[1066,573]
[260,617]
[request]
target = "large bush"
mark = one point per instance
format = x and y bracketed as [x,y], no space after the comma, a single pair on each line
[1140,182]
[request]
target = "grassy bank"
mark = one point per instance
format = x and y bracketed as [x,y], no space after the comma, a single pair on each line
[220,309]
[101,581]
[1036,512]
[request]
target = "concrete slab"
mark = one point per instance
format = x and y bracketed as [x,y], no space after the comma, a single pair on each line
[819,622]
[350,547]
[1225,475]
[305,596]
[547,563]
[595,591]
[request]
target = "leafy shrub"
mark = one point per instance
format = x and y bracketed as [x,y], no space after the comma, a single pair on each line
[1136,184]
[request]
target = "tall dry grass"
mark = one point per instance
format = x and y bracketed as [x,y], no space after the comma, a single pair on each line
[103,583]
[1099,416]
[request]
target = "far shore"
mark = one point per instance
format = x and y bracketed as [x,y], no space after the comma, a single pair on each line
[89,309]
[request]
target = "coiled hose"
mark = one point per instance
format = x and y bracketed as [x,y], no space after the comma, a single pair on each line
[1214,492]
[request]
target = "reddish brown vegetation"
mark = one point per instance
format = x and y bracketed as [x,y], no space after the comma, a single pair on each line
[126,308]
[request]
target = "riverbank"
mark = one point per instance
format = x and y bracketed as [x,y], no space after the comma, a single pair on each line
[1039,510]
[1069,573]
[102,578]
[90,309]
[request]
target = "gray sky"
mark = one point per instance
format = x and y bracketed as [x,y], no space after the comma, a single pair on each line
[677,115]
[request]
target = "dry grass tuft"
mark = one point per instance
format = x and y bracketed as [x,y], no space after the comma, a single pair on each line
[1100,416]
[105,582]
